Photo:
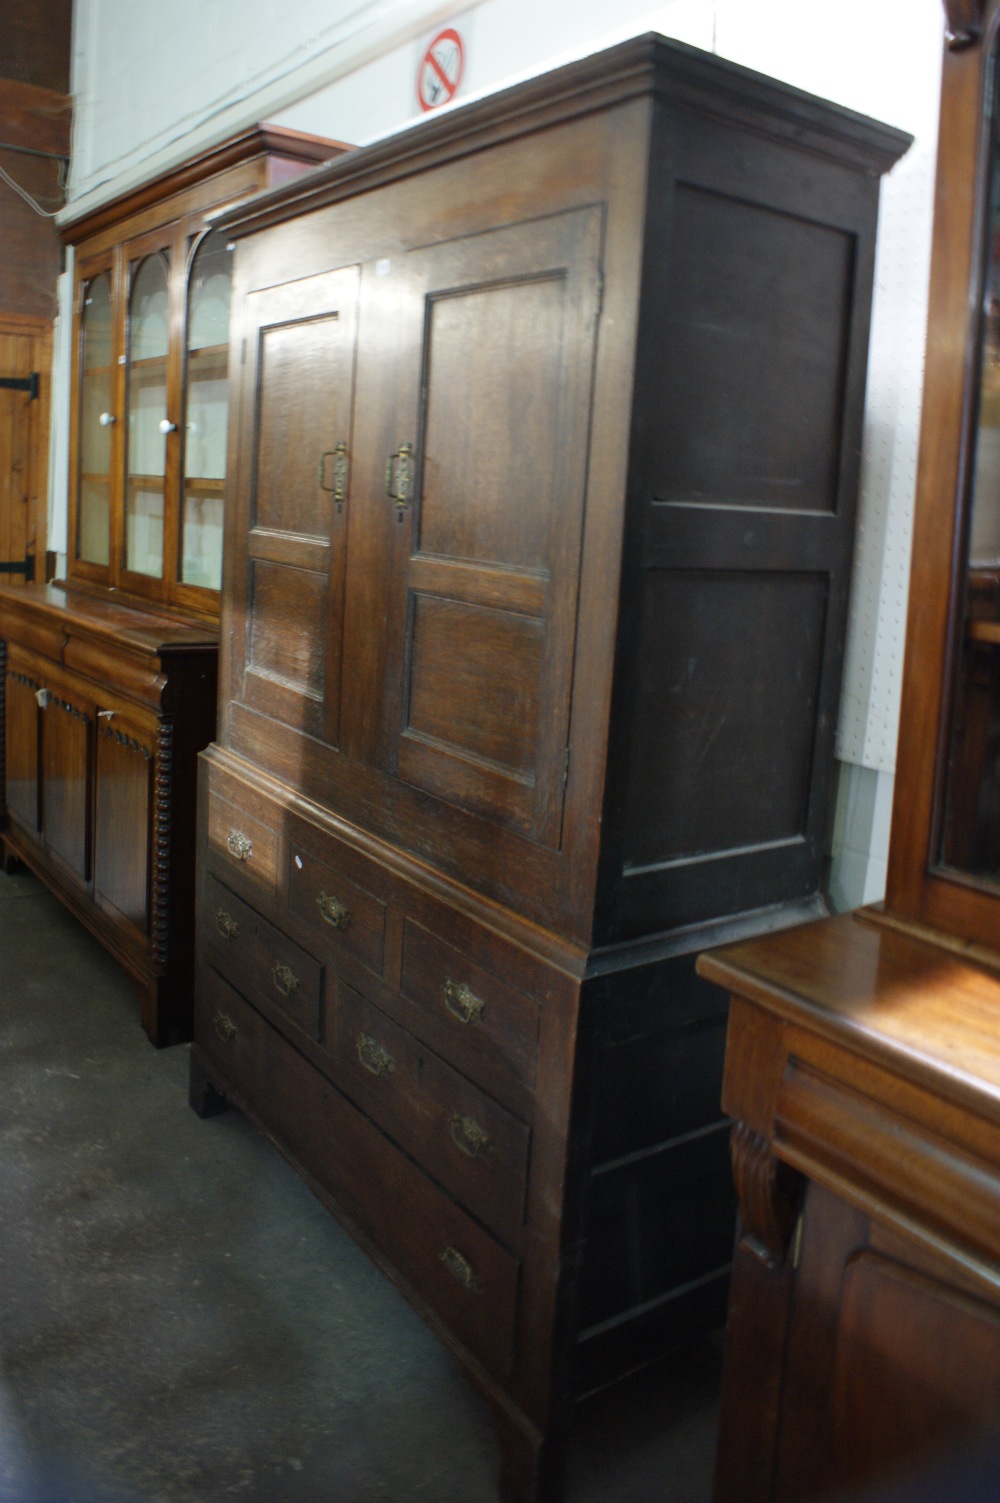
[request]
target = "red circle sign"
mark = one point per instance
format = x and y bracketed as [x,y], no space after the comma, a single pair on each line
[440,71]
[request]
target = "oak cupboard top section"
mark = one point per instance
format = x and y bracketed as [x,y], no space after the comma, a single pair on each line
[677,75]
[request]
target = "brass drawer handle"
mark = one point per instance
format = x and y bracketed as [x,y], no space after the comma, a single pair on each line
[399,477]
[459,1265]
[374,1058]
[469,1136]
[285,980]
[462,1002]
[226,924]
[333,912]
[240,845]
[225,1027]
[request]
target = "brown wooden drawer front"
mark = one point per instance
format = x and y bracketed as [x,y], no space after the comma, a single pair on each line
[341,915]
[261,961]
[466,1277]
[475,1148]
[242,844]
[486,1023]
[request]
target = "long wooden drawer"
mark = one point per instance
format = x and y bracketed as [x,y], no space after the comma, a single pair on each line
[484,1023]
[260,961]
[467,1141]
[448,1260]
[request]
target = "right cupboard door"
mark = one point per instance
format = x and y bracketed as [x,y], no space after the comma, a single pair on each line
[485,483]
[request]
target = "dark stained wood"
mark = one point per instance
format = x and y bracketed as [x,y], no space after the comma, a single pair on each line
[546,698]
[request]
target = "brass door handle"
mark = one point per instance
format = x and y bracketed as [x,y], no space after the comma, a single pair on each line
[225,1027]
[469,1136]
[285,979]
[399,477]
[376,1060]
[462,1002]
[338,490]
[332,911]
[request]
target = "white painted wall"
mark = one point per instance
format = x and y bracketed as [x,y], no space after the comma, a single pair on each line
[152,87]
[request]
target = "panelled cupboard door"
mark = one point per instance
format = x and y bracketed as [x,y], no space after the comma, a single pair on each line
[67,730]
[125,763]
[486,477]
[21,735]
[300,358]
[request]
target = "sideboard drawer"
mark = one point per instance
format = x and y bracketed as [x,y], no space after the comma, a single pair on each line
[486,1023]
[449,1261]
[261,961]
[468,1142]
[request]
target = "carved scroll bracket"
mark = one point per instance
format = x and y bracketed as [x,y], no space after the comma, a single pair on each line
[769,1193]
[965,22]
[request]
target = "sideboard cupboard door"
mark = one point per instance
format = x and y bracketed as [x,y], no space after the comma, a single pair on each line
[67,734]
[125,760]
[300,356]
[492,401]
[21,747]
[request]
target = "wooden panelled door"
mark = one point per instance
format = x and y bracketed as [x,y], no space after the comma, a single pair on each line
[25,346]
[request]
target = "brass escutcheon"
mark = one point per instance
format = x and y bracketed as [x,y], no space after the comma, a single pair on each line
[459,1265]
[226,924]
[333,912]
[462,1002]
[240,845]
[469,1136]
[374,1058]
[285,980]
[224,1027]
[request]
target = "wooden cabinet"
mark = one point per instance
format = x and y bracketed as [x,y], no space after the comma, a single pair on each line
[110,684]
[104,711]
[863,1052]
[546,432]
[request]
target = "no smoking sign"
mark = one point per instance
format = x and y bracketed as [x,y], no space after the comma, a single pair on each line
[440,71]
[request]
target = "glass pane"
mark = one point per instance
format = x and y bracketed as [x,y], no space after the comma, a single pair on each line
[147,409]
[206,415]
[970,832]
[93,479]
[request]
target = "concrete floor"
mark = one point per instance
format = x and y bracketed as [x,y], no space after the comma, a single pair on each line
[181,1320]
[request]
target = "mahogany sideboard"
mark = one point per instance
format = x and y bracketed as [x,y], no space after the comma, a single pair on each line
[545,435]
[103,710]
[863,1074]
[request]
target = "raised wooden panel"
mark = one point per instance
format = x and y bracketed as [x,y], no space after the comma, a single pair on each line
[21,738]
[917,1365]
[123,823]
[286,626]
[67,749]
[704,703]
[753,382]
[493,367]
[500,328]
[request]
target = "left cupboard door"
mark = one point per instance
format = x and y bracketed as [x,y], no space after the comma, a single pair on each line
[66,731]
[21,746]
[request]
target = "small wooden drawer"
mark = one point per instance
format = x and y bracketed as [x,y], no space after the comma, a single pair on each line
[341,915]
[260,961]
[469,1143]
[485,1022]
[240,842]
[446,1258]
